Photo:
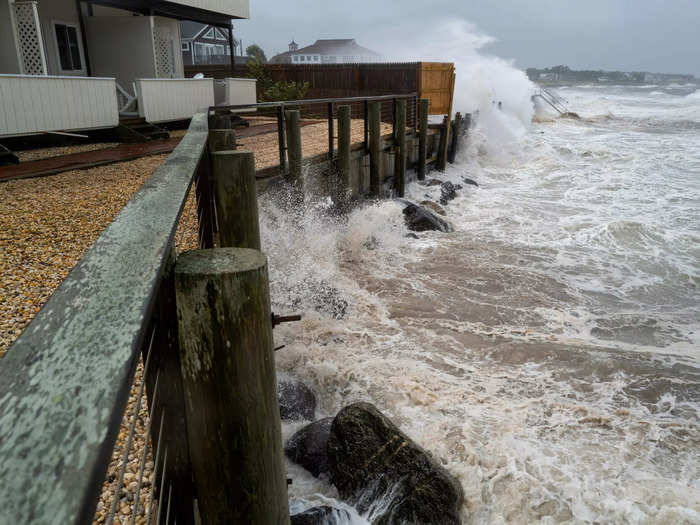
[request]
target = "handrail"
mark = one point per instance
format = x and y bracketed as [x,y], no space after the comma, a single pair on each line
[64,383]
[552,100]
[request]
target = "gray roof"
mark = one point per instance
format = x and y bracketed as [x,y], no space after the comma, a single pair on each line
[342,47]
[190,29]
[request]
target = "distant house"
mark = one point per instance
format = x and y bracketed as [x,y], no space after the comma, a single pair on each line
[204,44]
[337,51]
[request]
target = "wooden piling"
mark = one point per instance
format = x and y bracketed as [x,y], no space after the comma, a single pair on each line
[294,155]
[236,199]
[222,139]
[442,152]
[455,135]
[375,140]
[343,162]
[423,138]
[400,157]
[228,371]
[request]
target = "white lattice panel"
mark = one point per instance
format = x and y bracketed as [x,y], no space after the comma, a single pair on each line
[31,44]
[163,45]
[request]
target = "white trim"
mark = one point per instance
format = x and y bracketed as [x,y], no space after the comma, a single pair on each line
[83,67]
[184,46]
[218,32]
[72,77]
[213,35]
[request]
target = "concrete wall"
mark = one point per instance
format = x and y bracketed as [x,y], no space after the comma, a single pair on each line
[121,47]
[65,11]
[9,53]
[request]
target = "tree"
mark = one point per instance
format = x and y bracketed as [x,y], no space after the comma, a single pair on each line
[255,51]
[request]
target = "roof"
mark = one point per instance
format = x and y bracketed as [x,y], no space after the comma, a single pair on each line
[339,46]
[190,29]
[343,46]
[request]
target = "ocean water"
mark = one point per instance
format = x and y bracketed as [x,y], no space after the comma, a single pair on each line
[547,351]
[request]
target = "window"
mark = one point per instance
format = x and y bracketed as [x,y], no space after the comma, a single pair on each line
[302,57]
[209,34]
[68,47]
[316,58]
[185,46]
[220,35]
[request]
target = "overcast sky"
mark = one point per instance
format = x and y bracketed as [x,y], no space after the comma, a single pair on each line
[630,35]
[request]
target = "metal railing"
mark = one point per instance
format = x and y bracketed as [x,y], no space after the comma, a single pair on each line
[553,100]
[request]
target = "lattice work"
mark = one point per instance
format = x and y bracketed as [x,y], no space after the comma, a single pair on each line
[165,61]
[31,44]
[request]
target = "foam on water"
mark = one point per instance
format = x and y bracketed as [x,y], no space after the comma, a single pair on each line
[546,352]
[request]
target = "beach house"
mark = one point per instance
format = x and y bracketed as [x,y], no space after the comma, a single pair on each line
[336,51]
[84,64]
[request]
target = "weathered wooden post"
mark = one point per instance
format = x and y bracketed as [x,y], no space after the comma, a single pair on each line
[228,372]
[400,158]
[222,139]
[423,138]
[294,156]
[343,162]
[442,153]
[236,199]
[375,140]
[280,139]
[456,129]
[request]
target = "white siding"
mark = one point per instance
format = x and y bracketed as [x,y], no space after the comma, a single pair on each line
[235,8]
[32,104]
[161,100]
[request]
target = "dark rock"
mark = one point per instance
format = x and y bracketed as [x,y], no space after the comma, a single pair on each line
[465,180]
[321,516]
[371,243]
[447,192]
[434,206]
[370,459]
[307,446]
[459,187]
[419,219]
[430,182]
[319,295]
[297,401]
[411,236]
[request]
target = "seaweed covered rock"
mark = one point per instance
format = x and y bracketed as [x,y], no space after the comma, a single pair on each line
[447,192]
[297,401]
[307,447]
[419,219]
[371,460]
[467,180]
[320,516]
[434,206]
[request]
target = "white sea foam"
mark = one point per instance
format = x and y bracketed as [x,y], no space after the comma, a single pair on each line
[546,352]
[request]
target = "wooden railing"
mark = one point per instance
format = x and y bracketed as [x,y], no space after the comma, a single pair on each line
[133,308]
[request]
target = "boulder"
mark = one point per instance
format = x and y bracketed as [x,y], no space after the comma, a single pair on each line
[465,180]
[433,206]
[447,192]
[307,447]
[297,401]
[321,516]
[430,182]
[370,461]
[419,219]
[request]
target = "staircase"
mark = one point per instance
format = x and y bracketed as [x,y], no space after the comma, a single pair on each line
[7,157]
[138,130]
[555,101]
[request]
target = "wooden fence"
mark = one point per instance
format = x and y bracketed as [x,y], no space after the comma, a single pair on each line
[131,302]
[431,80]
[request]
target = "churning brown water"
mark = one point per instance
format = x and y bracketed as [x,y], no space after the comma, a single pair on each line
[546,352]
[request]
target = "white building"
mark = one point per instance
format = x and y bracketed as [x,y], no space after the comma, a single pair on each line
[338,51]
[73,64]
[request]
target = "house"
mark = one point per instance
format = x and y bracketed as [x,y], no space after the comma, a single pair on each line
[77,64]
[204,44]
[338,51]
